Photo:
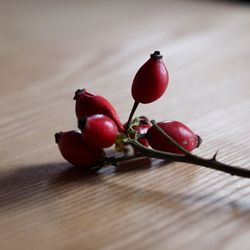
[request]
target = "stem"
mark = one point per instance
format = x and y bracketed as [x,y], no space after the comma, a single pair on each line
[132,114]
[209,163]
[187,157]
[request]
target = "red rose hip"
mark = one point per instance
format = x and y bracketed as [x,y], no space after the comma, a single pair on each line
[184,136]
[76,151]
[88,104]
[98,130]
[142,129]
[151,80]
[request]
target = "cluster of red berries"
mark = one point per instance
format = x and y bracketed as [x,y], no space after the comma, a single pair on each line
[100,126]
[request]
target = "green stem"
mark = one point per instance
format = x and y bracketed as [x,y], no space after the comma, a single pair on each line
[132,114]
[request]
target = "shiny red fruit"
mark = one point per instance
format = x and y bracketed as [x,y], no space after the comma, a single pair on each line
[142,129]
[151,80]
[88,104]
[98,130]
[76,151]
[178,131]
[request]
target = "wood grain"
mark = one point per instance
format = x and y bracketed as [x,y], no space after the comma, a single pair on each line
[48,49]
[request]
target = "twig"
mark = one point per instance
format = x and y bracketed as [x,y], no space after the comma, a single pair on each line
[189,158]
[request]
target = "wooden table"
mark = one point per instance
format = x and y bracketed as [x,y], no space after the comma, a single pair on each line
[48,49]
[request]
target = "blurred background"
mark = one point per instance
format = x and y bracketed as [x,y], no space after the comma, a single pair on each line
[48,49]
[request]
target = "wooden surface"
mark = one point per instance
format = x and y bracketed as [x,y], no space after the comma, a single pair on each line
[48,49]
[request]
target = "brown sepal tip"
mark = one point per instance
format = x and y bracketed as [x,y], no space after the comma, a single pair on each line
[78,92]
[82,123]
[156,55]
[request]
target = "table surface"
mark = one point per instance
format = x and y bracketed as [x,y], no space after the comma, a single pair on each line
[48,49]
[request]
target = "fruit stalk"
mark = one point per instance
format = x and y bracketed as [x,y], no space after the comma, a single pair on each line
[131,114]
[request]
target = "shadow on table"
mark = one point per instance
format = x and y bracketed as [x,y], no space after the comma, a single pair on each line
[35,184]
[41,184]
[29,184]
[17,182]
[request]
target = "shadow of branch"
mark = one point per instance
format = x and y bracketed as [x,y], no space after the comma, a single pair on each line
[27,185]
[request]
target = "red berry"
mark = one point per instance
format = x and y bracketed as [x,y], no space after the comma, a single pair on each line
[151,80]
[98,130]
[178,131]
[88,104]
[142,128]
[76,152]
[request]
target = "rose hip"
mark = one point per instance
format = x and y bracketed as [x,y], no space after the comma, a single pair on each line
[88,104]
[142,129]
[98,130]
[184,136]
[151,80]
[76,151]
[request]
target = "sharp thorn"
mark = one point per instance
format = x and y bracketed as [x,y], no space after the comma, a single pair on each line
[214,158]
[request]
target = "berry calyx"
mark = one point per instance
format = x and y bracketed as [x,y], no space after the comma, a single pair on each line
[98,130]
[76,151]
[156,55]
[184,136]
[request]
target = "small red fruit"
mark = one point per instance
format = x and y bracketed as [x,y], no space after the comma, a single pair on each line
[178,131]
[151,80]
[76,151]
[88,104]
[142,129]
[98,130]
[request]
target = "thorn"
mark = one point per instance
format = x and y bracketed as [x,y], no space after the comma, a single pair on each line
[215,155]
[199,141]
